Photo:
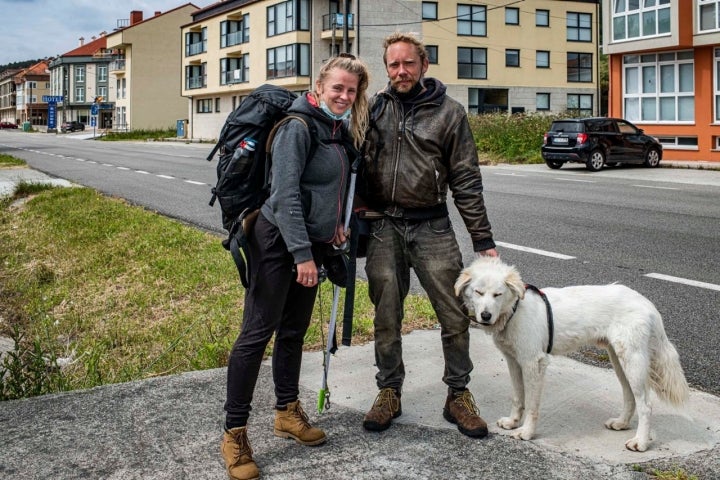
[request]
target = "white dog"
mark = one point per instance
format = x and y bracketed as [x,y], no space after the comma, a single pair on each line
[613,317]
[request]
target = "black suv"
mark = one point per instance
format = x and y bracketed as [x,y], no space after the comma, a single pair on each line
[597,142]
[71,126]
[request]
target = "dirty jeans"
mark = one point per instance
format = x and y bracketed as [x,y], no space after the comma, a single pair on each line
[274,304]
[430,248]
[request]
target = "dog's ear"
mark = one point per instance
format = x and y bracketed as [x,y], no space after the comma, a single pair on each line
[462,281]
[515,283]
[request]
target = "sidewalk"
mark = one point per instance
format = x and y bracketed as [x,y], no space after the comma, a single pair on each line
[170,427]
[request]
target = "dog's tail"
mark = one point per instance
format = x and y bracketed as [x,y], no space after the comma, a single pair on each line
[666,373]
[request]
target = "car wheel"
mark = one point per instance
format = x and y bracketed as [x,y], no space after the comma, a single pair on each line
[553,164]
[596,161]
[652,158]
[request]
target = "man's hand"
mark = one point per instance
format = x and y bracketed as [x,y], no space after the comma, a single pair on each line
[490,252]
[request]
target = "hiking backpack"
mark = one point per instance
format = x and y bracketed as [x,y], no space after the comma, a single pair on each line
[243,169]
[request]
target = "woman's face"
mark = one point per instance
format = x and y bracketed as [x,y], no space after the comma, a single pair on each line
[338,90]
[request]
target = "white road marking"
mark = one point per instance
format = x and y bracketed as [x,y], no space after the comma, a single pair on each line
[575,180]
[123,168]
[166,176]
[195,183]
[534,250]
[659,188]
[509,175]
[684,281]
[142,171]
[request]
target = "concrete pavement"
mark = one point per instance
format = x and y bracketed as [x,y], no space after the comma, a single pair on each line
[170,427]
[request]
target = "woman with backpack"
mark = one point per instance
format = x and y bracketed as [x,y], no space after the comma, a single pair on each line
[301,219]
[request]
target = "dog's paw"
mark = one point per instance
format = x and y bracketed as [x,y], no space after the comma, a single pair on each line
[522,434]
[508,423]
[616,424]
[636,444]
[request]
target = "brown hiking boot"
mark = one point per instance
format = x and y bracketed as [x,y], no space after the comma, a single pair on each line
[293,423]
[386,407]
[236,451]
[460,409]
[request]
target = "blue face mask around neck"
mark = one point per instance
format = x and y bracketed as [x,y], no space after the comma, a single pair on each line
[326,109]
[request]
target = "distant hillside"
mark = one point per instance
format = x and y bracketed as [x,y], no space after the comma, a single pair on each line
[22,64]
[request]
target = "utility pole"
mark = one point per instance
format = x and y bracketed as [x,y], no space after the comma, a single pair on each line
[346,19]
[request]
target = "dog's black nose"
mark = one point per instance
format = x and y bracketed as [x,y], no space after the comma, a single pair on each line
[486,316]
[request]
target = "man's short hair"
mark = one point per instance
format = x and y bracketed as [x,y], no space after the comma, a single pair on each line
[407,38]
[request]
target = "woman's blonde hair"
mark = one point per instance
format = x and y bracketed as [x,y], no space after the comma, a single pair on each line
[359,118]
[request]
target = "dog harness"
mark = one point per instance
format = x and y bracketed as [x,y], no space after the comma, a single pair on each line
[551,327]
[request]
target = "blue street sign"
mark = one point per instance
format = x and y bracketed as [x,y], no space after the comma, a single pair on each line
[52,115]
[52,98]
[94,109]
[93,121]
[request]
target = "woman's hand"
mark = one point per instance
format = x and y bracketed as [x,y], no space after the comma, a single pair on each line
[307,274]
[341,236]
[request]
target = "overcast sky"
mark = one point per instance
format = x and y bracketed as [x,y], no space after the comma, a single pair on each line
[34,29]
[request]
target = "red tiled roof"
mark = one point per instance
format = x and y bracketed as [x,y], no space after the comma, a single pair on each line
[88,49]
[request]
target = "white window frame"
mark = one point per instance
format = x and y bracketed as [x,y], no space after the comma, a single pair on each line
[641,10]
[646,82]
[716,83]
[708,10]
[102,73]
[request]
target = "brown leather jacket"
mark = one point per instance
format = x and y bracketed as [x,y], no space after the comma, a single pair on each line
[419,149]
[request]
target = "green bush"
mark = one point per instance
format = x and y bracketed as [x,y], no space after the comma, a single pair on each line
[510,138]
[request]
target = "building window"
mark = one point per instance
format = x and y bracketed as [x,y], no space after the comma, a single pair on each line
[542,59]
[542,101]
[79,73]
[288,61]
[472,20]
[79,94]
[195,42]
[708,11]
[659,87]
[512,57]
[580,104]
[717,84]
[512,16]
[579,67]
[195,76]
[234,70]
[288,17]
[204,105]
[429,10]
[638,19]
[432,51]
[102,73]
[234,32]
[472,62]
[102,92]
[217,104]
[579,27]
[542,18]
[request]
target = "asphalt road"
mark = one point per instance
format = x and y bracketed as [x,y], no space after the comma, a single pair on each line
[656,230]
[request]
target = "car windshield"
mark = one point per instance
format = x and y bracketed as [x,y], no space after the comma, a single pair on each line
[568,127]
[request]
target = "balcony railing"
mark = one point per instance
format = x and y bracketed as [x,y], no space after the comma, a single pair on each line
[195,48]
[233,76]
[117,65]
[337,19]
[195,82]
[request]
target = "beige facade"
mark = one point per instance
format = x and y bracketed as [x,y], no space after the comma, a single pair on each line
[536,55]
[145,74]
[8,111]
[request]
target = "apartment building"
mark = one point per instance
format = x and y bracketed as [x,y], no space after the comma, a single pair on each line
[31,84]
[81,78]
[530,56]
[146,71]
[8,110]
[664,62]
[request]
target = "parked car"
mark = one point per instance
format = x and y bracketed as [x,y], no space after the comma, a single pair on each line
[71,126]
[597,142]
[8,125]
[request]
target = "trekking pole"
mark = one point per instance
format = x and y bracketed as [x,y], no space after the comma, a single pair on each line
[324,394]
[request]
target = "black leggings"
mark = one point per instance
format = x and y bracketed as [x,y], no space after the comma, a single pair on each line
[274,304]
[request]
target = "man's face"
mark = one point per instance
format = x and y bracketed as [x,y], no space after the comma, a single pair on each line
[403,66]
